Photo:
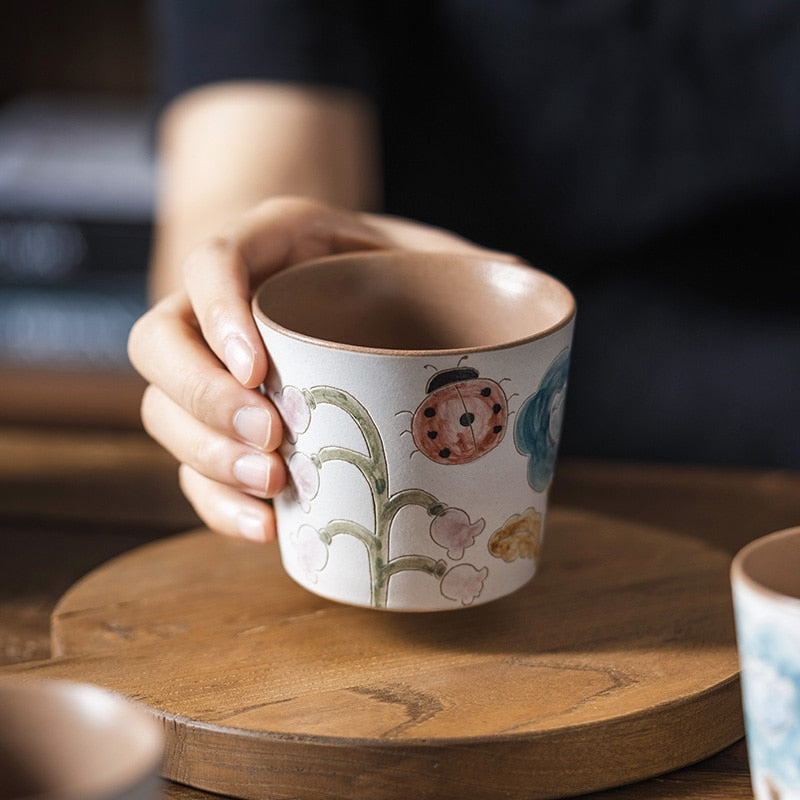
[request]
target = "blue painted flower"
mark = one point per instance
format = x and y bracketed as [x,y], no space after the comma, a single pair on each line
[770,660]
[538,426]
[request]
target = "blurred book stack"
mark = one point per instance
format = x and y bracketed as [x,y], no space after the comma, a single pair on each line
[77,181]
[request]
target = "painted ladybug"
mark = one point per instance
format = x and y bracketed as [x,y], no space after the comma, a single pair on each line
[461,418]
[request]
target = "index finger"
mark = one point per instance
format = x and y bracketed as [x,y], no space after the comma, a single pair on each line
[221,274]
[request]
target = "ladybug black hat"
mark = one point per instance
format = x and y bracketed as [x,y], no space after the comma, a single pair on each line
[448,376]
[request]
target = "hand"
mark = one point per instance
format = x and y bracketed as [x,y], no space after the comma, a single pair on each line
[200,351]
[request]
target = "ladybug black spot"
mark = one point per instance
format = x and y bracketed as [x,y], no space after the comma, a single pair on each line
[467,419]
[486,391]
[497,428]
[496,408]
[444,452]
[433,434]
[430,411]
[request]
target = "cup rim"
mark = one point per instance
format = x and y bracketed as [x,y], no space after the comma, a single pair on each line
[739,572]
[383,254]
[143,762]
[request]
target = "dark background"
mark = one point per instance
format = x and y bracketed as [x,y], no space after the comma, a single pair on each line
[75,198]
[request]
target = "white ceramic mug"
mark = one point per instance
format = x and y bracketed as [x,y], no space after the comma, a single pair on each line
[61,740]
[765,577]
[422,397]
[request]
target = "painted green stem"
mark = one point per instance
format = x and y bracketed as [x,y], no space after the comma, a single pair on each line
[339,527]
[374,468]
[432,566]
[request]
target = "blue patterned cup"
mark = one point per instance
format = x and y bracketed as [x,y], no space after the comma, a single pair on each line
[422,396]
[765,576]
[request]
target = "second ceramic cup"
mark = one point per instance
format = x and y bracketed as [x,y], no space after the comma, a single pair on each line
[61,740]
[765,577]
[422,396]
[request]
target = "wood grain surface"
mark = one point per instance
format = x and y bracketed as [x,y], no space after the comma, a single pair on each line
[73,497]
[615,664]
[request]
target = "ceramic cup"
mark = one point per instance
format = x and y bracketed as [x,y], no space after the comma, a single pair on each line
[765,577]
[63,741]
[422,397]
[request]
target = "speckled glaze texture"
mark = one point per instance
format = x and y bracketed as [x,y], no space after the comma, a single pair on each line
[419,467]
[767,613]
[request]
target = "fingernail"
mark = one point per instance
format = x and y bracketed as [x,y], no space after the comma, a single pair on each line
[239,358]
[252,470]
[253,425]
[250,527]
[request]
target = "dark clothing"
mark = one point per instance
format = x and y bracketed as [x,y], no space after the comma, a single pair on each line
[648,153]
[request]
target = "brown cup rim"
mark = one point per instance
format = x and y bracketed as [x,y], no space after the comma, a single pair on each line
[741,566]
[440,256]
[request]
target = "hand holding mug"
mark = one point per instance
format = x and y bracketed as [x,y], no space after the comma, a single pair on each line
[201,353]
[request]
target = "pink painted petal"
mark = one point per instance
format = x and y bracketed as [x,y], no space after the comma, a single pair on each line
[311,552]
[454,531]
[294,411]
[304,478]
[463,583]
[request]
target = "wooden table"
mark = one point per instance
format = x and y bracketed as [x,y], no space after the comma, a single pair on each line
[72,498]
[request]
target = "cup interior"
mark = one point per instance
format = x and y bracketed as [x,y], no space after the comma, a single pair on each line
[65,740]
[411,301]
[772,563]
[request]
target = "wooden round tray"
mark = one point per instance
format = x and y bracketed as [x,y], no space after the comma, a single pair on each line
[616,663]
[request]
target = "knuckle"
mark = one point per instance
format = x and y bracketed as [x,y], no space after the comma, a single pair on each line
[198,454]
[152,409]
[138,337]
[289,204]
[211,260]
[146,409]
[201,397]
[204,454]
[216,315]
[303,206]
[210,250]
[146,335]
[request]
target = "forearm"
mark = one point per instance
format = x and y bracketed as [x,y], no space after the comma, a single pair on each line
[224,148]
